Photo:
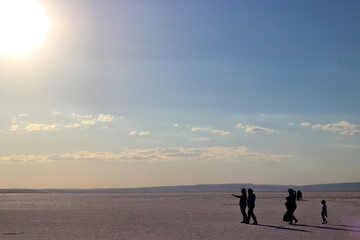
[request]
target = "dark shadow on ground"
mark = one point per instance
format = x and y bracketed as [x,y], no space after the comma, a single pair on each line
[12,233]
[350,226]
[283,228]
[327,228]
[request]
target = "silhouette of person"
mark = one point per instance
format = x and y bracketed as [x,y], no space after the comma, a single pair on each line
[242,204]
[291,207]
[251,205]
[324,212]
[287,216]
[299,195]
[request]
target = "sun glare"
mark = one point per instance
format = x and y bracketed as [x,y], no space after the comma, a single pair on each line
[23,26]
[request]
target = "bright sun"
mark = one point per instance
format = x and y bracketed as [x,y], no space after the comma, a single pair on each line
[23,26]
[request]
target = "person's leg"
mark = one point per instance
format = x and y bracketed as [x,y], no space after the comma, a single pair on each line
[254,218]
[251,214]
[243,211]
[324,219]
[292,217]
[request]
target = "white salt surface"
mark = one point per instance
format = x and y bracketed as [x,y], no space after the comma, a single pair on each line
[173,216]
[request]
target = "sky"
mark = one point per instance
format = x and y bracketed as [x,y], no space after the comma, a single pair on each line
[125,93]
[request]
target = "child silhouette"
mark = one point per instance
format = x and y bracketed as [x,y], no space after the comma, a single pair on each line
[324,212]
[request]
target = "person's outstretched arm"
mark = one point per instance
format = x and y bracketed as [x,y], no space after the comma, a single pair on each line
[236,196]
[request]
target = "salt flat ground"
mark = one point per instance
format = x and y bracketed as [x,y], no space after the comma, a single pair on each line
[173,216]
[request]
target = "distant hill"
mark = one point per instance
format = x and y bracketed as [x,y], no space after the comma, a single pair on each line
[202,188]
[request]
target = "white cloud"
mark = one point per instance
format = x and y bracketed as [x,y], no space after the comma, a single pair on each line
[40,127]
[216,153]
[221,132]
[72,120]
[73,125]
[176,124]
[208,129]
[21,115]
[18,158]
[254,129]
[88,122]
[81,117]
[201,139]
[305,124]
[343,128]
[262,114]
[14,128]
[291,124]
[105,118]
[144,133]
[55,113]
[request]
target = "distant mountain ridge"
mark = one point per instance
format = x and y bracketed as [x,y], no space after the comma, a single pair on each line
[202,188]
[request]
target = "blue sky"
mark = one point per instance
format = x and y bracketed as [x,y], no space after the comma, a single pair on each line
[147,93]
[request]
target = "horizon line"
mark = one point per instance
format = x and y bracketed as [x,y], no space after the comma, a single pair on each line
[181,185]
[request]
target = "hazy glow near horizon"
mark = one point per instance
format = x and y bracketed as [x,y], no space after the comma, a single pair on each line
[23,26]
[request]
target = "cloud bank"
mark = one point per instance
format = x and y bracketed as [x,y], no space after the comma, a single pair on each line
[217,153]
[64,121]
[343,128]
[213,131]
[41,127]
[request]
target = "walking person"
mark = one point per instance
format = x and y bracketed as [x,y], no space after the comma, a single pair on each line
[324,212]
[299,195]
[242,204]
[291,207]
[251,205]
